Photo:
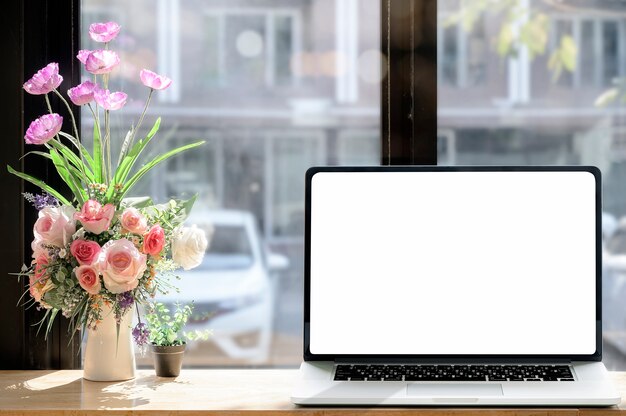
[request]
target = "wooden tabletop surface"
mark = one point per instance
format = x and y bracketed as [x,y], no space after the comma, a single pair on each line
[207,391]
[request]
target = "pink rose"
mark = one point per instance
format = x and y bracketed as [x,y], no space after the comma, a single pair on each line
[154,80]
[104,32]
[88,279]
[45,80]
[82,93]
[101,61]
[94,217]
[43,129]
[154,240]
[122,265]
[133,221]
[109,101]
[85,251]
[55,225]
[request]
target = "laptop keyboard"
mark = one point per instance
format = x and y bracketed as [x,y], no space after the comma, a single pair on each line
[376,372]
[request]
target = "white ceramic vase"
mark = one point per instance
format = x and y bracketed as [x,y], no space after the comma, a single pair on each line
[108,358]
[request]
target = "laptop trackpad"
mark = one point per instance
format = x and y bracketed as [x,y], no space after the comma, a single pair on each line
[453,390]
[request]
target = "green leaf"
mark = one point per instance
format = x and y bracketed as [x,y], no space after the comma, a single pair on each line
[73,159]
[124,168]
[505,40]
[98,165]
[568,52]
[138,202]
[74,183]
[145,169]
[606,98]
[125,145]
[78,145]
[41,184]
[534,34]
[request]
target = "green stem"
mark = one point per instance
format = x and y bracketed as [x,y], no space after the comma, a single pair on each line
[76,136]
[69,109]
[48,103]
[56,136]
[143,113]
[107,128]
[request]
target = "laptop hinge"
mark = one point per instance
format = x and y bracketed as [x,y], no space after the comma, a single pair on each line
[448,360]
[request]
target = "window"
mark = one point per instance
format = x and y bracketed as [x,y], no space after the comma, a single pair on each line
[600,49]
[464,52]
[273,87]
[562,119]
[247,47]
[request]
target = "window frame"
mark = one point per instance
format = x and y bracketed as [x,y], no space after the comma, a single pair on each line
[44,31]
[38,32]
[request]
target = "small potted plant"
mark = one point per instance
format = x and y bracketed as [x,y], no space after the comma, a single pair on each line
[166,336]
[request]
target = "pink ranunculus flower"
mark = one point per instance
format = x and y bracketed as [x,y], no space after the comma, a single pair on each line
[154,240]
[85,251]
[88,278]
[94,217]
[104,32]
[55,225]
[153,80]
[82,93]
[43,129]
[132,221]
[109,101]
[82,55]
[39,281]
[45,80]
[101,61]
[121,265]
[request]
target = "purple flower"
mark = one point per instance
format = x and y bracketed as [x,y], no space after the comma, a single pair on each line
[40,201]
[43,129]
[104,32]
[153,80]
[109,101]
[141,334]
[82,55]
[82,93]
[45,80]
[125,300]
[101,61]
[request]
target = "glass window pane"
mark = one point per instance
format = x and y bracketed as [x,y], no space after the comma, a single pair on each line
[587,58]
[556,109]
[610,51]
[273,87]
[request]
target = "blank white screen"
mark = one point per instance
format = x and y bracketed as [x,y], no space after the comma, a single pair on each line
[452,263]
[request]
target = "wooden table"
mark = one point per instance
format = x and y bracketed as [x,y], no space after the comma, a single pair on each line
[194,392]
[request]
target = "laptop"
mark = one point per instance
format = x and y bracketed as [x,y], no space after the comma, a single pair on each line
[453,286]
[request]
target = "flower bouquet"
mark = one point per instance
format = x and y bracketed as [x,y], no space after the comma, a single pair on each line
[98,254]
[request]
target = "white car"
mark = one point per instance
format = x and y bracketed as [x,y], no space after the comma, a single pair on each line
[233,288]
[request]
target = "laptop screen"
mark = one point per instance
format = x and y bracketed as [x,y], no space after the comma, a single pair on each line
[452,262]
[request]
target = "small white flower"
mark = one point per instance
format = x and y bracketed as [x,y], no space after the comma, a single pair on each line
[62,253]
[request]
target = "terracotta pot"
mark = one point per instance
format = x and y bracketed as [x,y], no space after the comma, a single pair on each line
[168,359]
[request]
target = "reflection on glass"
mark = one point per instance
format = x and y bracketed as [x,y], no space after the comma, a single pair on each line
[273,87]
[545,100]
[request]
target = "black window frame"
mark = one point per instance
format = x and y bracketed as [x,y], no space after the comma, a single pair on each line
[41,31]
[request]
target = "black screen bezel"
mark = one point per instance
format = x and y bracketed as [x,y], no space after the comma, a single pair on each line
[596,356]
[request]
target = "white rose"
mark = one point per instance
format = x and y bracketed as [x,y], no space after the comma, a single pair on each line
[189,246]
[55,225]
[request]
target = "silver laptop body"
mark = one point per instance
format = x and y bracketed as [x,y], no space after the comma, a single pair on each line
[453,286]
